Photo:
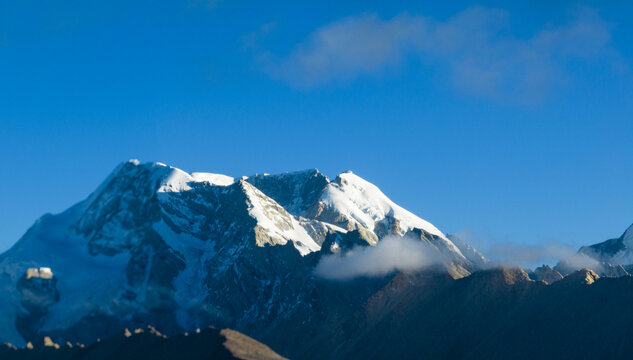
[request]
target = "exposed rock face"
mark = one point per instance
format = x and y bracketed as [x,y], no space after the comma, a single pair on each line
[243,347]
[38,293]
[208,343]
[154,244]
[611,258]
[477,259]
[618,270]
[547,274]
[582,276]
[613,251]
[296,191]
[38,289]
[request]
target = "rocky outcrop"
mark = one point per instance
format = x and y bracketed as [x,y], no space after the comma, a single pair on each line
[618,251]
[38,292]
[546,274]
[477,259]
[295,191]
[208,343]
[581,277]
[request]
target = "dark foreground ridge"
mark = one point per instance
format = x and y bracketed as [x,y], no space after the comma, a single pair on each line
[492,314]
[209,343]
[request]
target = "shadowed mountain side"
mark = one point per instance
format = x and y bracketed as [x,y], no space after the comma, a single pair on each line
[156,245]
[210,343]
[494,314]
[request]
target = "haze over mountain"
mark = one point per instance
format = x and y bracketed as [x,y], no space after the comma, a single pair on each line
[618,251]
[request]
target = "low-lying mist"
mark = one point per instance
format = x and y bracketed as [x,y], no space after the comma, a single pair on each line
[394,254]
[527,256]
[390,254]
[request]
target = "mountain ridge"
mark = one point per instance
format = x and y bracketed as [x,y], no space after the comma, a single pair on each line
[150,343]
[154,244]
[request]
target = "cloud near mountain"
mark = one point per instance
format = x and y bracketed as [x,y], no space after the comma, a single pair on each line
[389,255]
[525,255]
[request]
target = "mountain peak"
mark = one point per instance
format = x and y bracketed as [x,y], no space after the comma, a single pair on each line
[349,177]
[364,204]
[164,178]
[155,243]
[295,191]
[502,275]
[618,251]
[583,276]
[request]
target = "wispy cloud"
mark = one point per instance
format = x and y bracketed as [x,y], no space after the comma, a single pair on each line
[533,255]
[391,254]
[474,50]
[507,253]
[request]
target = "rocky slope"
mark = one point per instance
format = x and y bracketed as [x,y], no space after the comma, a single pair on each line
[156,245]
[546,274]
[208,343]
[618,251]
[492,314]
[612,258]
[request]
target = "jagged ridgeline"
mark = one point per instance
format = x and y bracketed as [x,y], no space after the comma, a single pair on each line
[156,245]
[149,343]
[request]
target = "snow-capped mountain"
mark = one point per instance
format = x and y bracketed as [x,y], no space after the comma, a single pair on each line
[154,244]
[617,251]
[611,258]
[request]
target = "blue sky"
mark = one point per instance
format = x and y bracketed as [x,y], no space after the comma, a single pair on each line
[504,121]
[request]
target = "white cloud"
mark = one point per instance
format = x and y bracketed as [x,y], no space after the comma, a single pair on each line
[391,254]
[474,50]
[533,255]
[347,48]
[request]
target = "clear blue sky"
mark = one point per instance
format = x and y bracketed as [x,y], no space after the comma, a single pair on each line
[513,119]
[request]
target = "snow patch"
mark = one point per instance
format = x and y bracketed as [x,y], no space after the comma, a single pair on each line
[362,202]
[213,179]
[391,254]
[277,222]
[180,181]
